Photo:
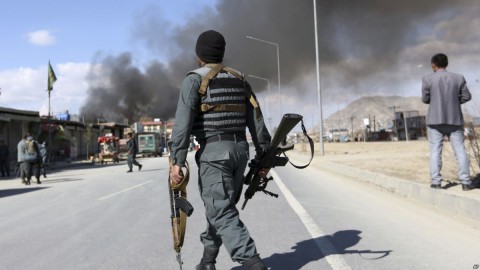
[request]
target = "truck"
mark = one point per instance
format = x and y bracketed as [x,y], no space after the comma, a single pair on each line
[149,144]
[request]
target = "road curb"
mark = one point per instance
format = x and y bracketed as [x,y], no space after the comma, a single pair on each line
[456,201]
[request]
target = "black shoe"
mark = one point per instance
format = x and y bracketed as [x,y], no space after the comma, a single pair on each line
[468,187]
[436,186]
[255,263]
[205,266]
[140,167]
[208,259]
[38,182]
[129,171]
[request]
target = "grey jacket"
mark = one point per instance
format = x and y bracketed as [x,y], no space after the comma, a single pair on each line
[21,149]
[445,92]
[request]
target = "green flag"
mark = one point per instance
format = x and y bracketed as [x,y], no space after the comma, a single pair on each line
[51,77]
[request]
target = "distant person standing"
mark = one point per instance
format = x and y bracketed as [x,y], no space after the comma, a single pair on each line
[33,156]
[445,92]
[23,164]
[132,153]
[4,159]
[44,158]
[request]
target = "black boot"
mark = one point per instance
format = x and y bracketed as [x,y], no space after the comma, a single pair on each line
[208,259]
[255,263]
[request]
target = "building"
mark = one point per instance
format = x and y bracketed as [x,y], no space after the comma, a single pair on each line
[71,140]
[338,135]
[411,124]
[66,137]
[13,125]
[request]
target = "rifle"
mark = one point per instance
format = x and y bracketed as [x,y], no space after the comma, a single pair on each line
[180,208]
[271,158]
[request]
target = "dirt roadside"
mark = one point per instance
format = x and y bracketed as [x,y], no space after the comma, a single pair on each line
[405,160]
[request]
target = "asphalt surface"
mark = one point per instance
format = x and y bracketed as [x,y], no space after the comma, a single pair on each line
[450,198]
[327,217]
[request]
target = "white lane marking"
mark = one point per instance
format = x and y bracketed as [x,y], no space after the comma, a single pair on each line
[325,246]
[124,190]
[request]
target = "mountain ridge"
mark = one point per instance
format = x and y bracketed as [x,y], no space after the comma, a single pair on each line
[379,109]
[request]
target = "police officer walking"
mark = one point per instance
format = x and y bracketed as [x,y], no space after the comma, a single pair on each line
[132,153]
[216,105]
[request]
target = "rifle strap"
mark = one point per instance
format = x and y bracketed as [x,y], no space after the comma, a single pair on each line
[310,141]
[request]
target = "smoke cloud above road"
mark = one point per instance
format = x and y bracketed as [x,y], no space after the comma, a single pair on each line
[367,47]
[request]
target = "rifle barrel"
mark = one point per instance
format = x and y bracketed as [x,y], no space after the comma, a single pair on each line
[288,122]
[244,203]
[179,259]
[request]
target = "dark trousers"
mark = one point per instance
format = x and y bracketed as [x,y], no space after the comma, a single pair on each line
[24,170]
[4,167]
[35,168]
[132,161]
[220,179]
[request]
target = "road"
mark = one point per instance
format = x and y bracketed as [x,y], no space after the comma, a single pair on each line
[99,217]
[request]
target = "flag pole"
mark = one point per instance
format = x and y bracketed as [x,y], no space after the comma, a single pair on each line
[51,78]
[49,125]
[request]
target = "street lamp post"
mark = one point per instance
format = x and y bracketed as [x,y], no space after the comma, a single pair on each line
[269,105]
[166,147]
[278,66]
[318,79]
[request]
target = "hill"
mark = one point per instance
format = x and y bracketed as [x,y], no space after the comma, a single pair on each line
[380,110]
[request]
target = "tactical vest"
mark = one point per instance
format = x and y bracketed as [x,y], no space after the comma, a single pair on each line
[224,96]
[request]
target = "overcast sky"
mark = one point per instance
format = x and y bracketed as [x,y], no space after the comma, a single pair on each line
[127,58]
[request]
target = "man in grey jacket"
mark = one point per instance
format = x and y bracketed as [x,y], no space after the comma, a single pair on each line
[445,92]
[24,165]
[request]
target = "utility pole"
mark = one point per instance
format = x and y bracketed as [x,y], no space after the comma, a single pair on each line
[351,120]
[406,126]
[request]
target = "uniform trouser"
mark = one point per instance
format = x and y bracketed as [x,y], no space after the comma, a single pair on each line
[25,170]
[35,168]
[4,167]
[221,166]
[436,134]
[132,161]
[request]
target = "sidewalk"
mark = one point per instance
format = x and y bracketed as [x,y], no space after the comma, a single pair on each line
[453,199]
[15,182]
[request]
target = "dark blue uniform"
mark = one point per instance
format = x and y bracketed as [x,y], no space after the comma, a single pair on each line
[223,154]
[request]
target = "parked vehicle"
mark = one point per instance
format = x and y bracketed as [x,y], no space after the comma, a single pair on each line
[149,144]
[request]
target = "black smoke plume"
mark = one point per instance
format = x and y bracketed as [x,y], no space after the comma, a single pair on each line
[358,40]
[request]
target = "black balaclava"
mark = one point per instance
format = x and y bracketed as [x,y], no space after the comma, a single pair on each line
[210,47]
